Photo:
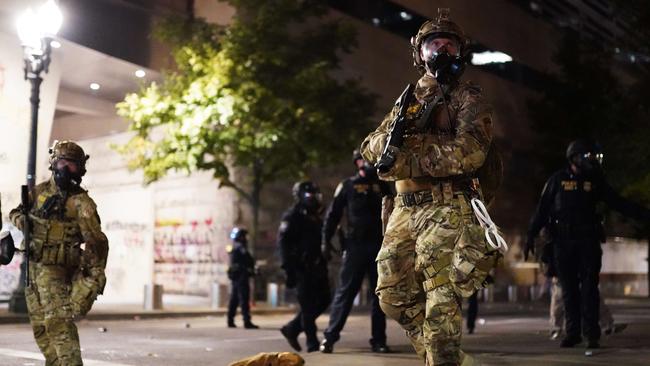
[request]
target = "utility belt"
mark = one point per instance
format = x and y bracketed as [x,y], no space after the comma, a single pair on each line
[55,242]
[569,231]
[441,191]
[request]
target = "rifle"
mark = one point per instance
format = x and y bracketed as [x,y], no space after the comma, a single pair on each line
[24,198]
[396,133]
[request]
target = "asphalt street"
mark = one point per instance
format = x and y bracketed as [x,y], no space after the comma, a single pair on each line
[503,339]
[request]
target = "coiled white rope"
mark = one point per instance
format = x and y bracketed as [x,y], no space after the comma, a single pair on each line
[494,239]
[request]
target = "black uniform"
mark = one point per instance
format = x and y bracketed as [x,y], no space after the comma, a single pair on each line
[299,240]
[360,198]
[242,267]
[568,207]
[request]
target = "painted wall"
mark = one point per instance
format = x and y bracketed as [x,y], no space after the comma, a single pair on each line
[14,129]
[173,232]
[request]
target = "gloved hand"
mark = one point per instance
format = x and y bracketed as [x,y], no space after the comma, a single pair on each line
[291,280]
[529,247]
[85,290]
[326,249]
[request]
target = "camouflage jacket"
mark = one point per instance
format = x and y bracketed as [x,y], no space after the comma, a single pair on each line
[80,222]
[438,151]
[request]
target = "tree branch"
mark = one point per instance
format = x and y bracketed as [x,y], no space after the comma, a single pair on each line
[225,182]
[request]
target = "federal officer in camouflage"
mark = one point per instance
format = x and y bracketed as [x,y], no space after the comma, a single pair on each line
[434,251]
[65,278]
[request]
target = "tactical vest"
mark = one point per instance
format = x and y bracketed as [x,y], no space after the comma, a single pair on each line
[55,241]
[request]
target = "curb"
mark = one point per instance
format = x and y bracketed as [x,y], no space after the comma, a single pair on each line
[9,318]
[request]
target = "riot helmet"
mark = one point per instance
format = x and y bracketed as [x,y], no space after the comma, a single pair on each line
[307,194]
[585,154]
[366,169]
[239,234]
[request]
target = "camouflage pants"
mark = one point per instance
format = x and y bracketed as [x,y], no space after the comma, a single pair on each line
[50,313]
[433,254]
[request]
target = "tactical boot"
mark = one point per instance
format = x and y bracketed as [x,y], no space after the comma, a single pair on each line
[250,325]
[593,344]
[570,342]
[292,339]
[326,346]
[313,344]
[380,348]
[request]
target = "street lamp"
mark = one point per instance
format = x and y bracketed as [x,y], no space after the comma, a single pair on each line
[36,30]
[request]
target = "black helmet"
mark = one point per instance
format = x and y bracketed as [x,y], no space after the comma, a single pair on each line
[238,234]
[356,155]
[584,146]
[307,194]
[585,154]
[7,248]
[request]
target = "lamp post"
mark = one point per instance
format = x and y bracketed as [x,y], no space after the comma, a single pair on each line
[36,30]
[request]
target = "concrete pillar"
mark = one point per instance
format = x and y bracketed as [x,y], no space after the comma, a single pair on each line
[153,294]
[219,294]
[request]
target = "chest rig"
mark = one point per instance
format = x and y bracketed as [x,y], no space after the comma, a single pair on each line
[56,237]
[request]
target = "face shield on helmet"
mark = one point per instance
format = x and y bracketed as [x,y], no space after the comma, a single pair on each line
[586,155]
[308,195]
[239,235]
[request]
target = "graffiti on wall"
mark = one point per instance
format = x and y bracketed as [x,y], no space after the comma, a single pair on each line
[9,276]
[188,256]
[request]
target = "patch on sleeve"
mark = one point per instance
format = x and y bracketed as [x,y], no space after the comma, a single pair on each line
[338,190]
[284,225]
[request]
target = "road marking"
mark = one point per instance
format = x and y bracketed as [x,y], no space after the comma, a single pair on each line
[37,356]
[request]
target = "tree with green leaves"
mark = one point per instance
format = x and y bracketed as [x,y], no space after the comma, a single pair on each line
[262,94]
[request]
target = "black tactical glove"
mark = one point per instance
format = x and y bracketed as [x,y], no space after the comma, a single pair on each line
[529,247]
[291,280]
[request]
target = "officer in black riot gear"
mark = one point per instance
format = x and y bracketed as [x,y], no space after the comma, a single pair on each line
[242,267]
[568,207]
[299,238]
[359,198]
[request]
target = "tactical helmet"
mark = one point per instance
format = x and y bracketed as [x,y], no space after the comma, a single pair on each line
[301,189]
[238,234]
[582,146]
[68,150]
[443,26]
[356,155]
[7,248]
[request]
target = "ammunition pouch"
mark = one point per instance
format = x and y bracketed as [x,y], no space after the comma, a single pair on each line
[473,258]
[55,242]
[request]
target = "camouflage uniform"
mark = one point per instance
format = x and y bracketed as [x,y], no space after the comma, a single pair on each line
[64,279]
[434,253]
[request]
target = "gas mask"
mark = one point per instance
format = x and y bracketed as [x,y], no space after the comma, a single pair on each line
[588,163]
[369,171]
[65,179]
[445,67]
[311,200]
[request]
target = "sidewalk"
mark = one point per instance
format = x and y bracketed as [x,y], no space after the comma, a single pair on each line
[185,309]
[136,311]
